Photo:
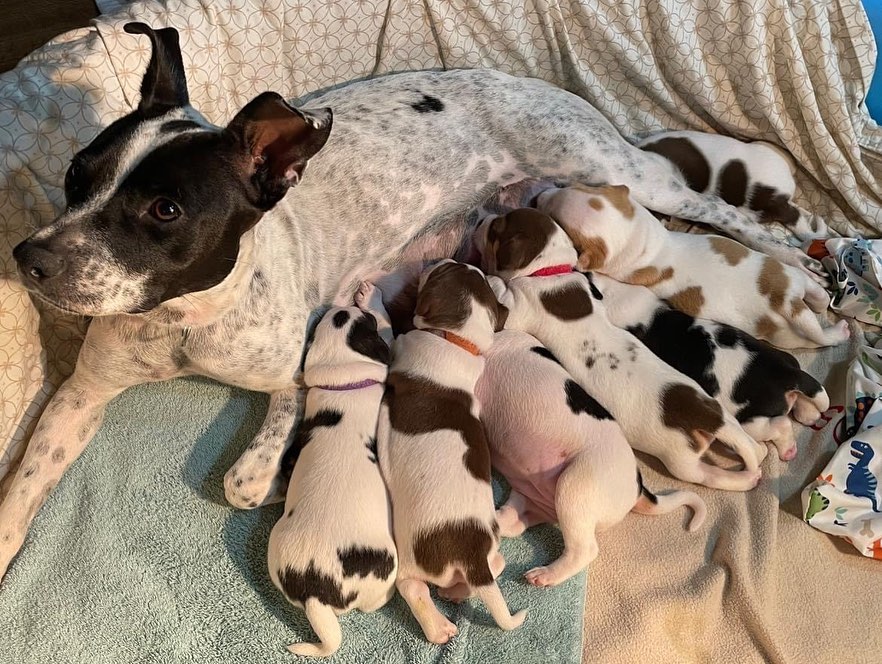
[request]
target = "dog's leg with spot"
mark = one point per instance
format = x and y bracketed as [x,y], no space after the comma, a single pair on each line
[67,425]
[254,479]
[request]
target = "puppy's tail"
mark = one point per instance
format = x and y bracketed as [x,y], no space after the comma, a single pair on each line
[492,597]
[649,503]
[325,625]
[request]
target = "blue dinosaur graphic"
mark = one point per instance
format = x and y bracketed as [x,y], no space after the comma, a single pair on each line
[860,481]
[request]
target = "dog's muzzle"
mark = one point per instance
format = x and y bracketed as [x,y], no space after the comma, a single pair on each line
[37,263]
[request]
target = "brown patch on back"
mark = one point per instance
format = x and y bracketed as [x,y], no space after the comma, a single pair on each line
[515,239]
[773,283]
[732,185]
[693,413]
[686,157]
[649,276]
[689,300]
[797,306]
[596,203]
[419,406]
[618,195]
[734,252]
[445,300]
[464,544]
[571,302]
[766,328]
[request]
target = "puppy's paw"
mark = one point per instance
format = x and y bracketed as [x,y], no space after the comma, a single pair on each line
[441,632]
[368,296]
[541,577]
[497,285]
[787,453]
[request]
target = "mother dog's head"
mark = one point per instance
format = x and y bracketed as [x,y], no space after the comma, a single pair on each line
[158,202]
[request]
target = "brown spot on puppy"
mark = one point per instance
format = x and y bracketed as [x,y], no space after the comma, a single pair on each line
[773,206]
[465,544]
[516,238]
[445,300]
[689,300]
[773,283]
[765,328]
[686,157]
[732,186]
[596,203]
[571,302]
[419,406]
[695,414]
[649,276]
[618,195]
[734,252]
[797,306]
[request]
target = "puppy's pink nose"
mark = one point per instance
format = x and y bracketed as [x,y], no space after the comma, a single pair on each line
[37,262]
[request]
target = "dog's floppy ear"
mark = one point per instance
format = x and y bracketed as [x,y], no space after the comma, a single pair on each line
[164,85]
[278,140]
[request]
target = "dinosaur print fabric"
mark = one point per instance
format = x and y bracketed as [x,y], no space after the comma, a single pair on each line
[846,500]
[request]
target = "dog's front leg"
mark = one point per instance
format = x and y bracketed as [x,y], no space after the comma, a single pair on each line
[67,425]
[254,479]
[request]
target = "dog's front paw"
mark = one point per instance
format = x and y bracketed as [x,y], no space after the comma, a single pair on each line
[247,487]
[368,297]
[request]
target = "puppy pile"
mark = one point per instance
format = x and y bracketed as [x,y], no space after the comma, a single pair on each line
[551,375]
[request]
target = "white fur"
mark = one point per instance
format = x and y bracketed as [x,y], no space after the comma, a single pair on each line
[336,497]
[730,292]
[564,467]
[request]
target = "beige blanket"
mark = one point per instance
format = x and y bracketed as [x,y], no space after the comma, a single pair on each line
[793,72]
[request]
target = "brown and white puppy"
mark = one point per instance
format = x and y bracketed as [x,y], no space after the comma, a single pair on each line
[756,175]
[433,450]
[332,550]
[760,385]
[707,276]
[661,411]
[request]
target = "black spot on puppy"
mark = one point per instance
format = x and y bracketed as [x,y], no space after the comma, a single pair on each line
[371,444]
[463,543]
[361,561]
[428,104]
[732,186]
[364,339]
[300,586]
[675,338]
[544,352]
[340,318]
[580,401]
[686,157]
[323,418]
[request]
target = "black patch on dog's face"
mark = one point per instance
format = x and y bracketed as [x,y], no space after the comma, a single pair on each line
[323,418]
[428,104]
[299,586]
[364,339]
[544,352]
[340,319]
[361,561]
[580,401]
[675,338]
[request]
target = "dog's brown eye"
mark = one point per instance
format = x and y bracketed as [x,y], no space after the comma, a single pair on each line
[165,210]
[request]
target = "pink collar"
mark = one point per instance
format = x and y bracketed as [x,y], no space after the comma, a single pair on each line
[551,271]
[367,382]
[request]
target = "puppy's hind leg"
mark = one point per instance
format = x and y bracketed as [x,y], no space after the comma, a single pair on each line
[435,626]
[805,325]
[325,625]
[577,505]
[690,468]
[514,517]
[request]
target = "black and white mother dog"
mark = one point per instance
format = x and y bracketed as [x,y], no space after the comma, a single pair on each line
[190,248]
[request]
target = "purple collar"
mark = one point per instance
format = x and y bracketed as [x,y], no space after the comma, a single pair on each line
[367,382]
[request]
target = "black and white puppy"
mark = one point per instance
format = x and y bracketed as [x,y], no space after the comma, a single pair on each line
[760,385]
[332,551]
[434,453]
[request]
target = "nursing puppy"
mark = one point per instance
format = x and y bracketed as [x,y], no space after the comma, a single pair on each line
[661,411]
[755,176]
[433,451]
[563,454]
[332,551]
[708,276]
[758,384]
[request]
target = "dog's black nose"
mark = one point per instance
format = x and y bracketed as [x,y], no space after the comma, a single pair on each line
[37,262]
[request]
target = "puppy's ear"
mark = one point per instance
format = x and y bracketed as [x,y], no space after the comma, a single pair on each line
[278,140]
[440,302]
[164,85]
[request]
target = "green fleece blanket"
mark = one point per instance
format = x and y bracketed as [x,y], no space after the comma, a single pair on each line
[137,558]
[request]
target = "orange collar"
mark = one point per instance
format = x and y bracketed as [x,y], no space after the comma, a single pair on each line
[457,340]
